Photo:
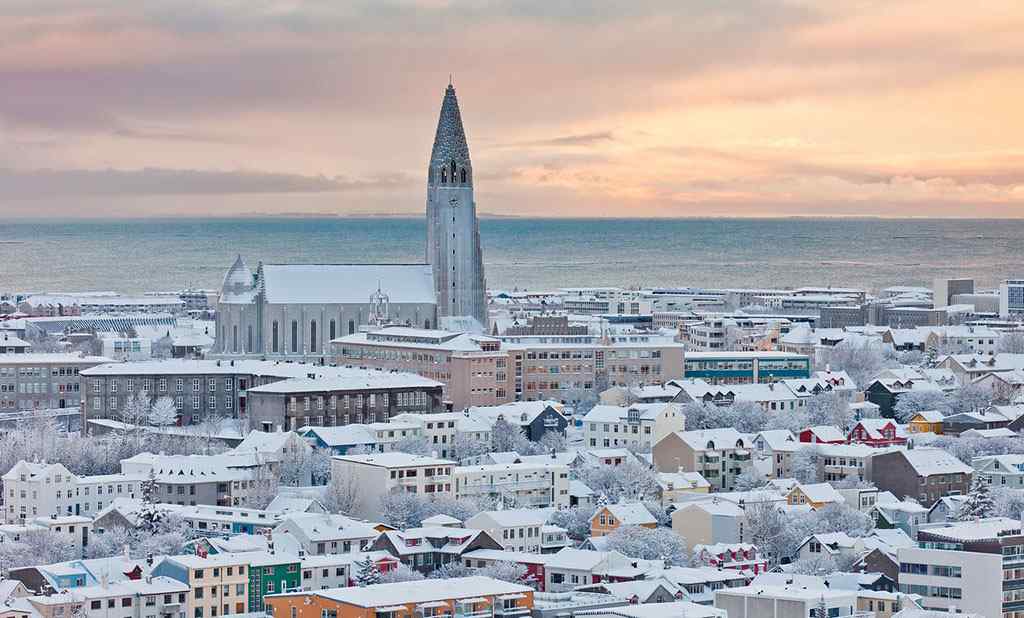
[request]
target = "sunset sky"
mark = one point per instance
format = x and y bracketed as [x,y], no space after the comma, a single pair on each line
[572,108]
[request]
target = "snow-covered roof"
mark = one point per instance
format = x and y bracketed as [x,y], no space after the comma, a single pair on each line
[778,440]
[977,530]
[820,492]
[501,555]
[512,518]
[51,358]
[713,439]
[631,514]
[345,379]
[441,520]
[569,558]
[1001,432]
[927,461]
[618,414]
[347,283]
[516,413]
[378,595]
[326,527]
[682,481]
[827,433]
[929,416]
[713,507]
[395,459]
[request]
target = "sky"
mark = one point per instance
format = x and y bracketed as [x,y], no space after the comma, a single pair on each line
[593,108]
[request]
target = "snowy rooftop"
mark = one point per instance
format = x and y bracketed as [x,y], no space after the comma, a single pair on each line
[395,459]
[928,461]
[379,595]
[345,379]
[513,518]
[347,283]
[631,514]
[43,358]
[991,528]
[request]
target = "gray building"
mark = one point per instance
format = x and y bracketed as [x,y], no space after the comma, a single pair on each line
[42,381]
[945,289]
[203,389]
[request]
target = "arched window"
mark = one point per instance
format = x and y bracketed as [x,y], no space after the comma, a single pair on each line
[463,175]
[426,324]
[273,337]
[312,336]
[234,338]
[334,330]
[248,339]
[295,336]
[453,170]
[351,327]
[444,176]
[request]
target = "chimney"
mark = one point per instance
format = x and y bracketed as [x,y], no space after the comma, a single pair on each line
[149,559]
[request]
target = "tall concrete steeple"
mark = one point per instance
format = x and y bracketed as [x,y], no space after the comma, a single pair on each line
[453,233]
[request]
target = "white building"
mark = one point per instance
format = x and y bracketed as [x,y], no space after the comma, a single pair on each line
[534,484]
[323,534]
[375,476]
[443,429]
[1011,298]
[34,490]
[761,601]
[639,425]
[73,530]
[517,530]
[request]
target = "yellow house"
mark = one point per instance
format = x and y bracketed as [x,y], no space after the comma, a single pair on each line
[608,518]
[929,421]
[815,495]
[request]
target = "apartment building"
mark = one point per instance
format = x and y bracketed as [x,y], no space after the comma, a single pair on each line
[975,566]
[362,396]
[640,425]
[795,601]
[379,437]
[34,490]
[219,582]
[924,474]
[468,597]
[375,476]
[42,381]
[727,367]
[719,455]
[517,530]
[533,484]
[427,548]
[443,429]
[534,418]
[475,370]
[1000,470]
[9,344]
[229,479]
[140,598]
[73,530]
[325,534]
[209,388]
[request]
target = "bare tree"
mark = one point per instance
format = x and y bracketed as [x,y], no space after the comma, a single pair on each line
[1011,343]
[342,495]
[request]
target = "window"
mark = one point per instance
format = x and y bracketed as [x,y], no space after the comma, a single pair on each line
[295,336]
[312,336]
[333,330]
[273,340]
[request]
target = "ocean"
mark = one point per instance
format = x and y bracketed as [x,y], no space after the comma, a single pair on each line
[134,256]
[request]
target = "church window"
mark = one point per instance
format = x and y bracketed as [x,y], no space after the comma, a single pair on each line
[312,336]
[295,336]
[351,327]
[273,342]
[444,176]
[453,171]
[334,330]
[234,338]
[463,175]
[248,340]
[426,324]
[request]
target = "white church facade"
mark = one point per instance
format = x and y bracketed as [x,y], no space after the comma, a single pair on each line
[293,311]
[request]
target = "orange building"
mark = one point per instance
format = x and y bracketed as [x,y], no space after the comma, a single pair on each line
[467,597]
[608,518]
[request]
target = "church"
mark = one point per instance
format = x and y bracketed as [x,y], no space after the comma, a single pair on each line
[293,311]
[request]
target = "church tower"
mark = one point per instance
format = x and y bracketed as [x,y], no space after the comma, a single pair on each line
[453,234]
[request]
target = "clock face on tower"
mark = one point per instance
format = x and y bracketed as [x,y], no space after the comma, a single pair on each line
[454,201]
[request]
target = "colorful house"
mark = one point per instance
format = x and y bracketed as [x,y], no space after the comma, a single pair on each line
[815,495]
[928,421]
[271,573]
[876,432]
[608,518]
[822,434]
[460,596]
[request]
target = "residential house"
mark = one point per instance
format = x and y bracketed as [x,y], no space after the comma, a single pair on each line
[72,530]
[219,583]
[956,424]
[517,530]
[34,490]
[534,418]
[709,522]
[876,432]
[719,455]
[774,449]
[796,601]
[534,563]
[640,425]
[441,430]
[823,434]
[425,549]
[675,483]
[736,556]
[1000,470]
[611,517]
[815,495]
[924,474]
[885,390]
[523,484]
[927,421]
[320,534]
[271,572]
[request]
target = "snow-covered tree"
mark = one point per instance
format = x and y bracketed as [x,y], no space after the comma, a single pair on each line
[747,480]
[400,574]
[1010,343]
[829,409]
[367,572]
[36,547]
[150,514]
[575,520]
[979,503]
[649,544]
[863,360]
[342,494]
[970,398]
[135,416]
[552,441]
[767,529]
[630,481]
[464,446]
[910,403]
[816,565]
[912,358]
[1008,502]
[506,436]
[414,445]
[111,542]
[804,464]
[841,518]
[163,413]
[511,572]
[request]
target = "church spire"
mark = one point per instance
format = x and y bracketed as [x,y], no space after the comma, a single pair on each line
[450,140]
